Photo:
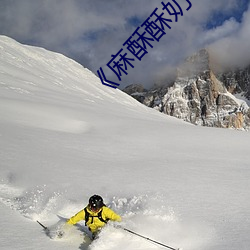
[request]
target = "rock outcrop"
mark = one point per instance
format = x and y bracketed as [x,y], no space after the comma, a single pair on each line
[237,81]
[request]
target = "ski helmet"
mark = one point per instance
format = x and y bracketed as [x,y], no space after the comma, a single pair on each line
[95,202]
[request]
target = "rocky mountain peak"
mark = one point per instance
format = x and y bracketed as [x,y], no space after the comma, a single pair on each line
[197,64]
[200,96]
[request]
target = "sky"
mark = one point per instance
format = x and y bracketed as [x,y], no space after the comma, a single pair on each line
[90,31]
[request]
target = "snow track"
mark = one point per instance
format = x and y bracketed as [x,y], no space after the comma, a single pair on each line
[32,204]
[144,214]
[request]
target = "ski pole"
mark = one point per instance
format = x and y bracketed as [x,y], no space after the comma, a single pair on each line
[45,228]
[146,238]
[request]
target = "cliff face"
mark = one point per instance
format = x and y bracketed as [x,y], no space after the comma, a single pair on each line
[201,97]
[237,81]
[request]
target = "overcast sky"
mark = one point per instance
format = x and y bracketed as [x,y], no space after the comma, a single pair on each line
[90,31]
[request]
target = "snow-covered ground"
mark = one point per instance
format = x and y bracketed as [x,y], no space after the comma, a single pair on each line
[64,137]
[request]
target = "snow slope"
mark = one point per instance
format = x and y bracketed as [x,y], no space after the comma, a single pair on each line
[64,137]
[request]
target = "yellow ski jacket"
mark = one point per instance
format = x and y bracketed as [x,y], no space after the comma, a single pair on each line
[94,223]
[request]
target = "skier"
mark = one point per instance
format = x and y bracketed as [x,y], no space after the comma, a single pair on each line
[95,214]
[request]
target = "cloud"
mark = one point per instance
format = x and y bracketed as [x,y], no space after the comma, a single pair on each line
[233,49]
[90,31]
[229,27]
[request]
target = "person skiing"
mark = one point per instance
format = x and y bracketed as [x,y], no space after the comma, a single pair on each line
[95,214]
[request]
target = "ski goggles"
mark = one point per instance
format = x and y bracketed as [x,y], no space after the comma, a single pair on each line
[94,208]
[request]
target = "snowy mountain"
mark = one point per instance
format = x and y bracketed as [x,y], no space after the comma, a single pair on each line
[64,137]
[201,96]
